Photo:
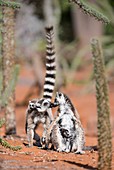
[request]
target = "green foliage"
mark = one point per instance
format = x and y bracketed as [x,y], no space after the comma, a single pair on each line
[5,143]
[103,110]
[108,37]
[91,11]
[105,8]
[2,122]
[9,4]
[1,84]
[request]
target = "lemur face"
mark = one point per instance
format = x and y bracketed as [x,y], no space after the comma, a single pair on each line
[42,105]
[59,99]
[32,104]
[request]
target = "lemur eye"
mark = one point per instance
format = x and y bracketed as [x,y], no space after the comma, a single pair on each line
[37,105]
[45,103]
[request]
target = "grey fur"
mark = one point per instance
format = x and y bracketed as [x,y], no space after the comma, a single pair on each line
[66,132]
[39,110]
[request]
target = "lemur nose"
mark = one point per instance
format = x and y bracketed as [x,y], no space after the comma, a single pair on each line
[52,105]
[38,106]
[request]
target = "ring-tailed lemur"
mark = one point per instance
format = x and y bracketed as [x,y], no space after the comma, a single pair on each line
[66,132]
[39,110]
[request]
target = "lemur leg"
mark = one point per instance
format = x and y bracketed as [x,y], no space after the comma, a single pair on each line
[74,145]
[30,130]
[65,133]
[61,145]
[68,146]
[49,119]
[80,141]
[57,139]
[43,139]
[37,139]
[79,149]
[30,135]
[47,140]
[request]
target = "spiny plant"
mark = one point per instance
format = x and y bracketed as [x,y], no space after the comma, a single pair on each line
[9,4]
[108,37]
[2,122]
[8,82]
[4,100]
[4,142]
[5,96]
[91,11]
[103,110]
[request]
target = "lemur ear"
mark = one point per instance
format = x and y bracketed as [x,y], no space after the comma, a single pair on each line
[30,102]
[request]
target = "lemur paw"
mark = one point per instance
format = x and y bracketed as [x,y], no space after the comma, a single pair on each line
[43,140]
[80,152]
[63,150]
[29,146]
[66,150]
[60,150]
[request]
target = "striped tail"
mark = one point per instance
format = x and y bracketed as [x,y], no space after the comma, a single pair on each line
[50,65]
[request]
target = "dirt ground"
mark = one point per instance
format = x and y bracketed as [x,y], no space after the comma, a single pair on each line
[83,97]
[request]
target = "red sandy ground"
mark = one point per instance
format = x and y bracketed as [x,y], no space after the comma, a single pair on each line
[36,158]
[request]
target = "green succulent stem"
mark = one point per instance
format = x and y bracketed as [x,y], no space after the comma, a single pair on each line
[11,87]
[2,122]
[103,109]
[4,143]
[91,11]
[7,145]
[9,4]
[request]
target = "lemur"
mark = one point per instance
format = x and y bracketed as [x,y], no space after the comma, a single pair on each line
[39,110]
[66,132]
